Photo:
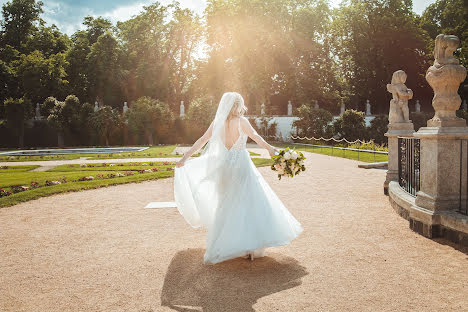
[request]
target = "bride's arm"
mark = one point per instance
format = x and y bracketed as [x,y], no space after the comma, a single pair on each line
[250,131]
[196,146]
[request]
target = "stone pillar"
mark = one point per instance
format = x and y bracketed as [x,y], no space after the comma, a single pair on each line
[417,107]
[342,108]
[125,107]
[368,108]
[440,141]
[399,123]
[182,109]
[289,108]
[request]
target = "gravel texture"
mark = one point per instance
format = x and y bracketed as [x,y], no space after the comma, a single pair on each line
[100,250]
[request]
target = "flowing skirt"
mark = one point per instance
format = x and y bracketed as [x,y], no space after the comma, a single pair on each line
[231,199]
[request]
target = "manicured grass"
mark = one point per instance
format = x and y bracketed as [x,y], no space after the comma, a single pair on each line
[21,176]
[152,152]
[113,167]
[361,156]
[17,168]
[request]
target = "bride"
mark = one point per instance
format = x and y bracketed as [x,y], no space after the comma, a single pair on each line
[223,190]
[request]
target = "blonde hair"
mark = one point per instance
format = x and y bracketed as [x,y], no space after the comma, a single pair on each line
[238,108]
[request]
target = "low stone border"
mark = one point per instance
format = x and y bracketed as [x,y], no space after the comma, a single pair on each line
[448,224]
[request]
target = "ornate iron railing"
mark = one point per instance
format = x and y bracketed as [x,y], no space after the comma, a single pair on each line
[409,175]
[463,200]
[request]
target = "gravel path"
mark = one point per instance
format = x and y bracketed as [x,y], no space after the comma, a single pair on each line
[99,250]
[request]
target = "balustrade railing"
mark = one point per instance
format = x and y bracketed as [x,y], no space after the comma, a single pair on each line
[409,175]
[463,199]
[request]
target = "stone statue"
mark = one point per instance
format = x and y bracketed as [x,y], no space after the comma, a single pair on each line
[263,109]
[38,111]
[399,111]
[182,109]
[125,107]
[417,107]
[342,108]
[289,108]
[445,77]
[96,106]
[368,108]
[316,105]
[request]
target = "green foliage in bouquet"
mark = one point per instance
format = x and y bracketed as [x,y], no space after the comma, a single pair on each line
[288,162]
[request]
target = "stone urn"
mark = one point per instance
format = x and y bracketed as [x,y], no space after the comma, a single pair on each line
[445,77]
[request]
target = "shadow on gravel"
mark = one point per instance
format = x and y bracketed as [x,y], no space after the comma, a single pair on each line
[234,285]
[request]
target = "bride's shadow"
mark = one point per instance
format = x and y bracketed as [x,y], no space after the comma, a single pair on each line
[234,285]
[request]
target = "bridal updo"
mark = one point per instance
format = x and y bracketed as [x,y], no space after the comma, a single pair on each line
[238,107]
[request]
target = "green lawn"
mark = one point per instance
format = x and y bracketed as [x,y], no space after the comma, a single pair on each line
[361,156]
[152,152]
[19,175]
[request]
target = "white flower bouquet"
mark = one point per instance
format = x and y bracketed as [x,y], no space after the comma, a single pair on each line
[288,163]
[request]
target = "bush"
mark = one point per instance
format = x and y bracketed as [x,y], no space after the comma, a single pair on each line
[313,122]
[150,118]
[350,125]
[377,129]
[420,119]
[200,113]
[263,126]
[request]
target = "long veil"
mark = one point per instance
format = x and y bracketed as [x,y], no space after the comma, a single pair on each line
[197,184]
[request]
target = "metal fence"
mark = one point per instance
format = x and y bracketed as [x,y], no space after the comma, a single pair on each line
[463,198]
[409,174]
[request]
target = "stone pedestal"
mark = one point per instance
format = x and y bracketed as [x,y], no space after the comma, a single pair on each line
[395,130]
[440,167]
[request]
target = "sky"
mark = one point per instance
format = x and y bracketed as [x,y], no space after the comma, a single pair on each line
[68,14]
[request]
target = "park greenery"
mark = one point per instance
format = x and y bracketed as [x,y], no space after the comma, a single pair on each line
[270,51]
[20,184]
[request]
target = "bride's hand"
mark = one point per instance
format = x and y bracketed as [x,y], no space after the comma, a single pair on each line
[180,163]
[272,151]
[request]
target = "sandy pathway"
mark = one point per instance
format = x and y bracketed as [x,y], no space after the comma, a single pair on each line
[99,250]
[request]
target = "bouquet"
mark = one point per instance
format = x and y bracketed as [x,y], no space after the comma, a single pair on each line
[288,163]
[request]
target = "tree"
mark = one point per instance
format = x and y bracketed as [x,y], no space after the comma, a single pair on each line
[151,118]
[64,116]
[106,121]
[377,129]
[20,18]
[313,122]
[371,40]
[350,125]
[40,77]
[104,69]
[17,112]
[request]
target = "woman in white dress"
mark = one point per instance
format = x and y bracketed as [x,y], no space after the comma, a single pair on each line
[223,190]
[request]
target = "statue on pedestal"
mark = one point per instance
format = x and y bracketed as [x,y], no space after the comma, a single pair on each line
[368,108]
[445,77]
[289,108]
[125,107]
[182,109]
[262,109]
[316,106]
[38,112]
[399,111]
[417,107]
[96,106]
[342,108]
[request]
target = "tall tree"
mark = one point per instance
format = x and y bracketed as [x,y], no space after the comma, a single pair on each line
[20,19]
[105,73]
[374,38]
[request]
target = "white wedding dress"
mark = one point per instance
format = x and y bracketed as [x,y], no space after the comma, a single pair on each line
[223,191]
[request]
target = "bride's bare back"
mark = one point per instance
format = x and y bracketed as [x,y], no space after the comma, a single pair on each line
[231,132]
